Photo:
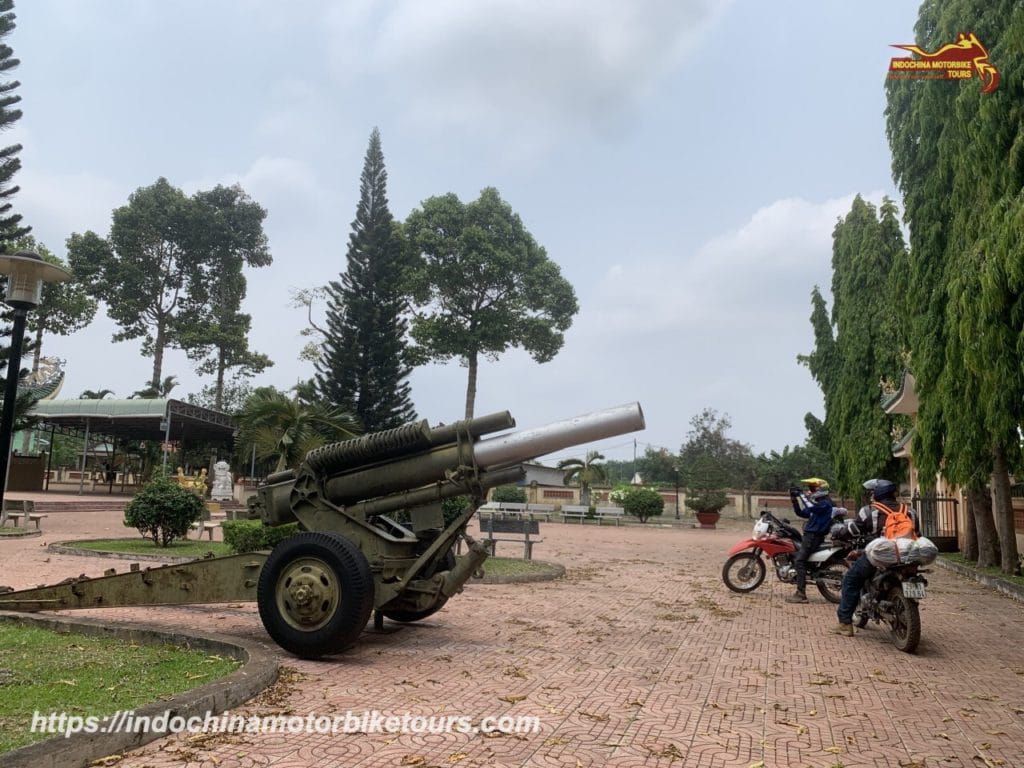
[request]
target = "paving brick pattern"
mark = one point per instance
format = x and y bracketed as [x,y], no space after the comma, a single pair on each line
[639,657]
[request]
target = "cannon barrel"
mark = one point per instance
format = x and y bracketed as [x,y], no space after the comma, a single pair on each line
[415,471]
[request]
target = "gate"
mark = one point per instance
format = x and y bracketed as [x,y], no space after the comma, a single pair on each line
[939,520]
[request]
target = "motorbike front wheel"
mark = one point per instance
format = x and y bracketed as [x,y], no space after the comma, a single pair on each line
[905,622]
[743,572]
[829,580]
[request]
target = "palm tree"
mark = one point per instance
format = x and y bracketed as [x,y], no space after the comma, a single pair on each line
[285,429]
[92,394]
[584,473]
[154,393]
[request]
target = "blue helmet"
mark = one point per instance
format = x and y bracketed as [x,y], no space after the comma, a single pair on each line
[881,490]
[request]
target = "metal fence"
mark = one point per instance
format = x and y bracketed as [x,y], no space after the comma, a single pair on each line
[939,520]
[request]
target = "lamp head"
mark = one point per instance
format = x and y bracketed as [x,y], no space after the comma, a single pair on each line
[26,272]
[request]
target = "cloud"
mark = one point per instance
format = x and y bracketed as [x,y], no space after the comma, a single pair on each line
[522,71]
[57,204]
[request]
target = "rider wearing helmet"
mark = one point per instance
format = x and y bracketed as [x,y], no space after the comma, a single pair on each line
[871,523]
[817,510]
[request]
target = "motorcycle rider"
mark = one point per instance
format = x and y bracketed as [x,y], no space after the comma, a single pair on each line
[871,522]
[817,510]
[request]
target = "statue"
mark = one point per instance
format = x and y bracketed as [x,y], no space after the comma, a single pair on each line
[223,490]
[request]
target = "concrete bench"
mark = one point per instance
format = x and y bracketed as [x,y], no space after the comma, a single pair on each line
[31,517]
[609,513]
[205,526]
[505,509]
[574,512]
[534,511]
[514,531]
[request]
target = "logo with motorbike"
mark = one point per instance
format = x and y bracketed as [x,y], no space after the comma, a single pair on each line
[954,61]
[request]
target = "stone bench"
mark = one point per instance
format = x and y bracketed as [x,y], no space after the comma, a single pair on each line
[574,512]
[205,526]
[515,531]
[30,517]
[534,511]
[609,513]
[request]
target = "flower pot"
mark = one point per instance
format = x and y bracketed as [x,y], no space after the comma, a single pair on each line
[707,519]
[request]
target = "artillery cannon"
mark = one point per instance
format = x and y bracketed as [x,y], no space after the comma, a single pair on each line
[317,589]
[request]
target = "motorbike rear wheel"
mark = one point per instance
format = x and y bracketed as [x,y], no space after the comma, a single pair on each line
[829,580]
[905,622]
[744,572]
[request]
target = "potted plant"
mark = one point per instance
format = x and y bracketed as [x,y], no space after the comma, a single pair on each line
[707,506]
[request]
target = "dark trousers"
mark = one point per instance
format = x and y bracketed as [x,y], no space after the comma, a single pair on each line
[860,573]
[810,543]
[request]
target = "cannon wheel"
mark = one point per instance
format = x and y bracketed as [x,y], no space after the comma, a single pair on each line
[315,594]
[397,614]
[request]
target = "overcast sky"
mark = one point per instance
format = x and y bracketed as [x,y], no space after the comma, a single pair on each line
[684,162]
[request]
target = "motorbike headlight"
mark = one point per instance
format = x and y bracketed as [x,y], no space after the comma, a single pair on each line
[761,529]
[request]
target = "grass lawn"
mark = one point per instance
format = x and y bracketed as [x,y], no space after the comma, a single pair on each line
[959,559]
[140,546]
[46,671]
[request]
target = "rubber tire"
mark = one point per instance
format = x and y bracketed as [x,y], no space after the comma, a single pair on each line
[407,617]
[752,559]
[907,634]
[352,578]
[836,596]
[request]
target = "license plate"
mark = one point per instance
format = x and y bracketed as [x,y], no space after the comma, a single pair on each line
[913,590]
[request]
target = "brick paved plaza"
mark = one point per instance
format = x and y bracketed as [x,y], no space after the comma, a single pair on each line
[639,657]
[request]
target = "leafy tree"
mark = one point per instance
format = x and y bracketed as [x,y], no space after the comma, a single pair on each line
[363,367]
[956,158]
[65,307]
[584,473]
[509,494]
[857,347]
[482,284]
[285,429]
[232,396]
[658,466]
[10,223]
[780,471]
[169,263]
[230,227]
[709,460]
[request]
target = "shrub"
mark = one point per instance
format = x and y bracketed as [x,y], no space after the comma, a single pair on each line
[707,501]
[509,494]
[638,501]
[251,535]
[453,507]
[163,511]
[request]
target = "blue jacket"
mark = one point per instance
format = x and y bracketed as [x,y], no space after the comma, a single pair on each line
[818,515]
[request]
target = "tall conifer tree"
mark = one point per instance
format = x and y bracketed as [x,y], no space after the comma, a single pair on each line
[363,368]
[10,223]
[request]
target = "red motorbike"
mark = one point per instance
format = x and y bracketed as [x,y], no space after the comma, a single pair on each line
[776,540]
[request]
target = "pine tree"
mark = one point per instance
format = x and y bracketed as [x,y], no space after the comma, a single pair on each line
[10,223]
[363,369]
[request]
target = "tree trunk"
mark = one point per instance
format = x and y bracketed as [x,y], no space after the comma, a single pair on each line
[1003,509]
[970,549]
[979,503]
[218,395]
[158,357]
[471,361]
[38,351]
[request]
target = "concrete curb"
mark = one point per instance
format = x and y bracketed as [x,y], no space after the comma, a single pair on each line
[1008,588]
[9,534]
[258,671]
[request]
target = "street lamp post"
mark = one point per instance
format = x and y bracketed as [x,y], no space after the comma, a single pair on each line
[26,272]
